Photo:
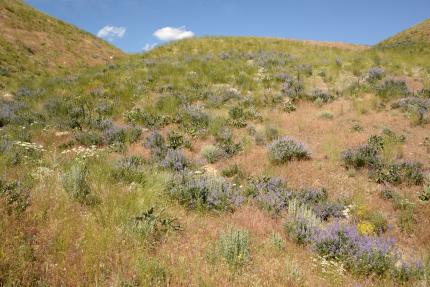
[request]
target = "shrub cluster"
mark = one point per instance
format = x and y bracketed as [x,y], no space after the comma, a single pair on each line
[369,156]
[129,169]
[147,119]
[204,192]
[269,193]
[363,255]
[16,196]
[153,224]
[392,88]
[286,149]
[375,74]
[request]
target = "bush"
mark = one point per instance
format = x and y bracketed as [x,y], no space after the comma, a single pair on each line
[363,156]
[175,160]
[397,173]
[147,119]
[153,225]
[75,183]
[301,222]
[194,117]
[326,115]
[155,143]
[292,88]
[212,153]
[363,255]
[286,149]
[392,88]
[375,74]
[175,140]
[270,193]
[224,139]
[404,272]
[17,197]
[425,195]
[232,170]
[312,196]
[327,210]
[204,192]
[234,247]
[320,97]
[129,169]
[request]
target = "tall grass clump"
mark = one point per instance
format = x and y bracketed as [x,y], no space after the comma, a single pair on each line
[129,169]
[234,247]
[75,183]
[286,149]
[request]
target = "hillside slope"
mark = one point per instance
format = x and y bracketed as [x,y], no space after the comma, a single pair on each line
[33,43]
[415,36]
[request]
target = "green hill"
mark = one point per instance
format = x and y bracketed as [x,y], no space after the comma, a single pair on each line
[416,36]
[217,161]
[33,43]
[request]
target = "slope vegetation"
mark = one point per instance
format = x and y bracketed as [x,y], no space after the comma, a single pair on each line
[418,35]
[33,43]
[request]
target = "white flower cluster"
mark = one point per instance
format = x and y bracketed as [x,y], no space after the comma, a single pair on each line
[329,267]
[347,211]
[42,173]
[30,146]
[261,75]
[84,152]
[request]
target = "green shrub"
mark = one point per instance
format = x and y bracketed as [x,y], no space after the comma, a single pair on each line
[232,170]
[326,115]
[129,169]
[211,153]
[175,139]
[286,149]
[224,139]
[234,247]
[16,195]
[204,192]
[301,222]
[75,183]
[153,225]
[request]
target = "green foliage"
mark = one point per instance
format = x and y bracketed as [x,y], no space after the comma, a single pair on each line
[234,247]
[75,183]
[175,139]
[211,153]
[17,197]
[153,225]
[129,169]
[285,149]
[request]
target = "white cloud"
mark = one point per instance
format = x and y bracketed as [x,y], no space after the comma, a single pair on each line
[172,34]
[149,47]
[111,32]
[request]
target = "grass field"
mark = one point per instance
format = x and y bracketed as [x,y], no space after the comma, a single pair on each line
[220,161]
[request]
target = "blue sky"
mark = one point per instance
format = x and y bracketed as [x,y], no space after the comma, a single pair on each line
[131,24]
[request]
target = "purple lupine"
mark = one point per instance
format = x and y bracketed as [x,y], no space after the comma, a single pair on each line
[175,160]
[362,254]
[270,193]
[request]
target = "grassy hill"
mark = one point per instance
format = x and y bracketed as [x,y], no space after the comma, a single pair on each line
[220,161]
[33,43]
[417,36]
